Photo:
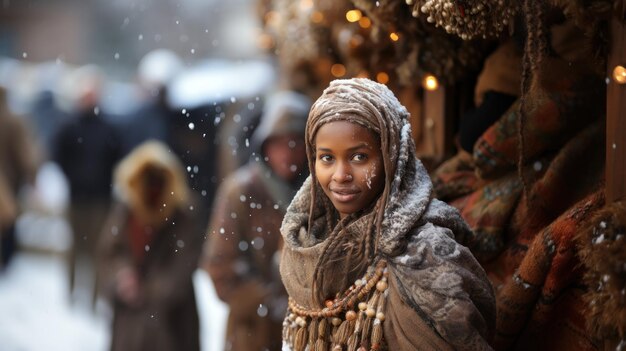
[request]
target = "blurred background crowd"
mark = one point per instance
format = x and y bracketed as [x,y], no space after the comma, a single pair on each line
[141,139]
[82,84]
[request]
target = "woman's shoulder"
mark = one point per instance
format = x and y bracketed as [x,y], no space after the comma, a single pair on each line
[432,255]
[442,280]
[428,240]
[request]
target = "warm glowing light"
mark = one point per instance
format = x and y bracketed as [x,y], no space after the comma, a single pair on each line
[306,5]
[338,70]
[317,17]
[382,77]
[430,83]
[394,36]
[363,74]
[354,15]
[619,74]
[365,22]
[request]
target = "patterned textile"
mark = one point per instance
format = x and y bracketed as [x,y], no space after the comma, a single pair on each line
[565,104]
[558,112]
[538,290]
[543,296]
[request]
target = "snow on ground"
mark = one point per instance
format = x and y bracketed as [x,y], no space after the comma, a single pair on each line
[35,309]
[212,313]
[36,314]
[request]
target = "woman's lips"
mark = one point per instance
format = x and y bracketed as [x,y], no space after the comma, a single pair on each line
[344,195]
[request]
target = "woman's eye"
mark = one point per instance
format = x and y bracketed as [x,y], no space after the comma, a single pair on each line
[326,158]
[359,157]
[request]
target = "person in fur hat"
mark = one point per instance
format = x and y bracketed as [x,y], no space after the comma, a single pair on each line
[148,251]
[244,235]
[370,260]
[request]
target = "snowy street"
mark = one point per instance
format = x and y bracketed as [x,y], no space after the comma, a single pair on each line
[36,313]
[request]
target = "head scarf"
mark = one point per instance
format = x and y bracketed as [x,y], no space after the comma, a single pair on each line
[374,106]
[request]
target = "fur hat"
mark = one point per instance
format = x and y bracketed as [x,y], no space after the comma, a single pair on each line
[134,173]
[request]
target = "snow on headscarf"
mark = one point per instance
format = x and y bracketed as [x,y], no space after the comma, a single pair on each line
[438,279]
[361,101]
[408,188]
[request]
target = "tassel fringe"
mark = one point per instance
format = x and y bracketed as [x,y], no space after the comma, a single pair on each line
[360,329]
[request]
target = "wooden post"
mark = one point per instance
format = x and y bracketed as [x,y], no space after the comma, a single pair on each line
[616,109]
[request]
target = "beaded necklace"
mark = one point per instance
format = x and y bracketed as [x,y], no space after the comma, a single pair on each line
[359,330]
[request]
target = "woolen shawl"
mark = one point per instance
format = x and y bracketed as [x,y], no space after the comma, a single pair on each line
[439,296]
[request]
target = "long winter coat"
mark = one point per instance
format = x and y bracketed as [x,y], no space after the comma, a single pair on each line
[166,317]
[18,160]
[243,237]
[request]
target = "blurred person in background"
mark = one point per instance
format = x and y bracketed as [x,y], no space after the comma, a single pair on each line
[47,116]
[149,249]
[243,235]
[46,107]
[86,148]
[153,118]
[19,160]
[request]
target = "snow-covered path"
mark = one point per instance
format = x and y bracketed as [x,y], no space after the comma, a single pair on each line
[35,313]
[35,309]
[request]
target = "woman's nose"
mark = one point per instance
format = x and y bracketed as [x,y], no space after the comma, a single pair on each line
[342,173]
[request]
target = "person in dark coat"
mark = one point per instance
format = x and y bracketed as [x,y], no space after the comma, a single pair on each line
[244,236]
[86,148]
[153,117]
[148,251]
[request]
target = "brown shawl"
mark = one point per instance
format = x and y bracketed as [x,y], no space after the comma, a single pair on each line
[439,296]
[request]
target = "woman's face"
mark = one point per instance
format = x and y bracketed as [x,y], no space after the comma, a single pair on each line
[349,165]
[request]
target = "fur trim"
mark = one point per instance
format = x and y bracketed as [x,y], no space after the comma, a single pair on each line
[602,250]
[130,180]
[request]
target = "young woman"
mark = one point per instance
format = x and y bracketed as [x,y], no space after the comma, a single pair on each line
[370,259]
